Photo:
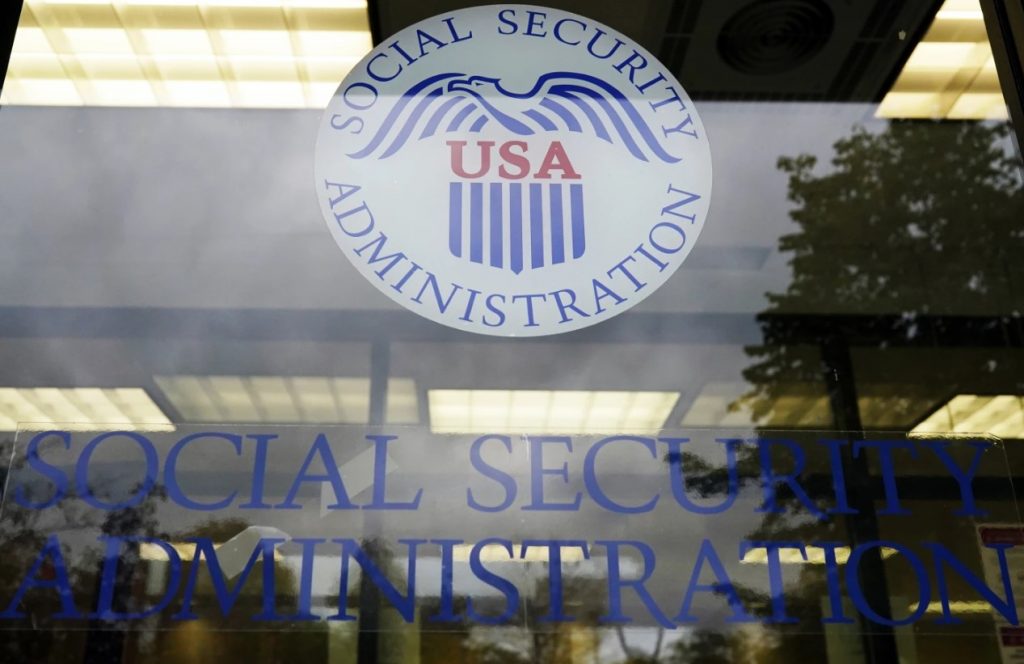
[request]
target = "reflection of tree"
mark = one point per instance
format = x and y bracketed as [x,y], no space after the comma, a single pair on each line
[525,639]
[554,642]
[917,220]
[214,635]
[704,647]
[635,655]
[23,533]
[921,218]
[39,637]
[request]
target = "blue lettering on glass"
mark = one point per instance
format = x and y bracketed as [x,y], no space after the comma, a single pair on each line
[560,477]
[593,485]
[380,461]
[108,578]
[322,450]
[556,605]
[34,579]
[775,581]
[856,590]
[144,487]
[1006,607]
[678,476]
[227,597]
[538,473]
[446,610]
[616,583]
[404,604]
[886,464]
[171,467]
[721,586]
[963,477]
[499,583]
[55,475]
[506,481]
[771,478]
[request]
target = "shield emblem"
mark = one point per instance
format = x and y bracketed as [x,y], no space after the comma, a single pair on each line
[512,225]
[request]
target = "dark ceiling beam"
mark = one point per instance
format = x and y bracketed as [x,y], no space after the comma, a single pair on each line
[373,15]
[1004,21]
[9,16]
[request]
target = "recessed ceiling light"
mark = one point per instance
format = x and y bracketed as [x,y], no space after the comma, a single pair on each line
[1000,415]
[285,399]
[160,52]
[80,409]
[950,73]
[550,411]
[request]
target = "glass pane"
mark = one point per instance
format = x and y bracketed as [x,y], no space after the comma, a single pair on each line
[165,271]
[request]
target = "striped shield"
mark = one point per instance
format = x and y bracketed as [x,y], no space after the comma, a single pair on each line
[516,225]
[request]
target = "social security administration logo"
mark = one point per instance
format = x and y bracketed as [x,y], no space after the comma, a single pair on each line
[513,170]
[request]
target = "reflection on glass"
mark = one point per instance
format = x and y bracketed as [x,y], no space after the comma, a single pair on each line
[190,53]
[80,409]
[434,555]
[950,73]
[286,399]
[997,415]
[548,411]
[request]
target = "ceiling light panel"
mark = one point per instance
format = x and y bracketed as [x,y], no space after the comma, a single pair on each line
[1000,415]
[185,53]
[723,404]
[80,409]
[812,555]
[285,399]
[496,553]
[951,73]
[551,411]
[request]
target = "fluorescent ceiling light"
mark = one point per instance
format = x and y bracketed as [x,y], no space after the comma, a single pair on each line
[947,56]
[262,53]
[183,41]
[31,40]
[956,606]
[802,405]
[959,10]
[974,105]
[495,553]
[550,411]
[80,409]
[285,399]
[271,94]
[122,93]
[98,41]
[256,42]
[43,92]
[186,551]
[1000,415]
[279,4]
[209,94]
[332,43]
[957,15]
[949,73]
[723,404]
[815,556]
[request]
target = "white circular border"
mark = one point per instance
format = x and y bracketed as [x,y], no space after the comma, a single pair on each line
[696,155]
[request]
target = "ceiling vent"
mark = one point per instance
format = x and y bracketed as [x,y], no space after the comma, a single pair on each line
[814,50]
[767,38]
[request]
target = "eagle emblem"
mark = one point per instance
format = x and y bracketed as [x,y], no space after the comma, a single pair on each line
[513,216]
[557,102]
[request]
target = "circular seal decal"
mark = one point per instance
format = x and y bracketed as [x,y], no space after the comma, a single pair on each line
[513,170]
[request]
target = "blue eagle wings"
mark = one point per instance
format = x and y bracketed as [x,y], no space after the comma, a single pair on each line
[557,102]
